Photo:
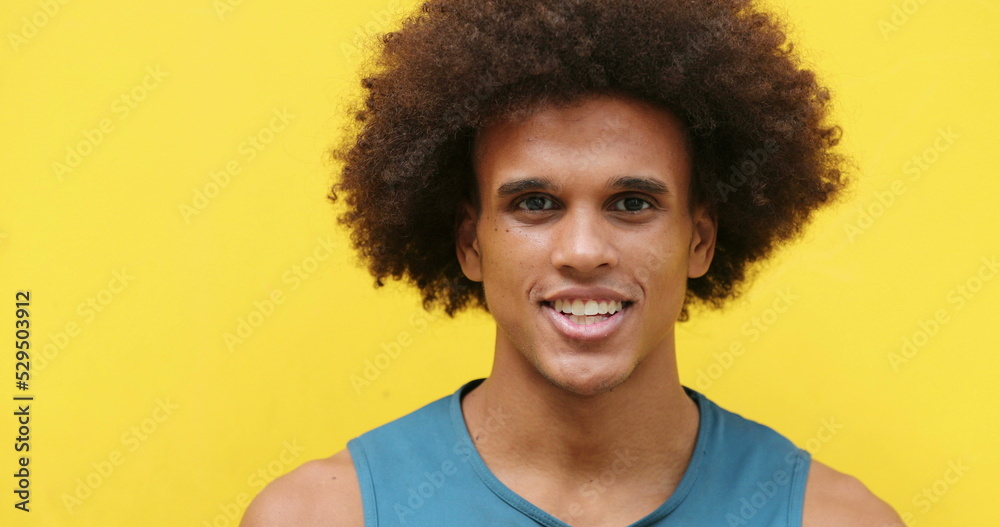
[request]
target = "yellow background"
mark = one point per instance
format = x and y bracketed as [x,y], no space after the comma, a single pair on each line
[147,403]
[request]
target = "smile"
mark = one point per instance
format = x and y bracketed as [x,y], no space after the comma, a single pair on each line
[601,323]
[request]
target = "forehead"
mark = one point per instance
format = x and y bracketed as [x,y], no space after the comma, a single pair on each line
[597,137]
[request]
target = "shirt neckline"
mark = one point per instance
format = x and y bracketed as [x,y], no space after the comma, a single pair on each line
[534,512]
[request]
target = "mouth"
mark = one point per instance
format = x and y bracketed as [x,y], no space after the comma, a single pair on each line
[587,327]
[604,311]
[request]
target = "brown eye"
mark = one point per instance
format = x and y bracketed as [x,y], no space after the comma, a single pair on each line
[633,204]
[534,203]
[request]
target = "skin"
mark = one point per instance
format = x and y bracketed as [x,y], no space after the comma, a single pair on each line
[576,405]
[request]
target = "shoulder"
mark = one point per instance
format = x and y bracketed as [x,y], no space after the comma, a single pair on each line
[837,499]
[319,492]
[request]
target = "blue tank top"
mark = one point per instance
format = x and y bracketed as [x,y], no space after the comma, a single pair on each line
[423,470]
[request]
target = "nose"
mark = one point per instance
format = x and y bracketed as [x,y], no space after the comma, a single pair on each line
[584,241]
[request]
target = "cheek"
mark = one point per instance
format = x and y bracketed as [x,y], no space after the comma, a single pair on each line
[660,268]
[662,275]
[509,260]
[510,251]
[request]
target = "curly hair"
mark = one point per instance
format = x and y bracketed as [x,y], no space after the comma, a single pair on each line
[763,153]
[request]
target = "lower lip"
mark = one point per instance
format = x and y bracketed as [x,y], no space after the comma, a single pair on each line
[586,332]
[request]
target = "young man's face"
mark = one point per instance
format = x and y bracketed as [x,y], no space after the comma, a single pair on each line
[585,204]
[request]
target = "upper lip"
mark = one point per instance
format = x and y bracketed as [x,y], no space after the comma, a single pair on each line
[587,293]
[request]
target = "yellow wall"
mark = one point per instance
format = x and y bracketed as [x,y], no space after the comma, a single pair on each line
[143,415]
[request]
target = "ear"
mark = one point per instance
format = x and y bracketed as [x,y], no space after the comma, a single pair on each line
[703,232]
[467,242]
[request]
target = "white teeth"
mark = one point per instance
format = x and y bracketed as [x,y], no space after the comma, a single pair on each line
[587,308]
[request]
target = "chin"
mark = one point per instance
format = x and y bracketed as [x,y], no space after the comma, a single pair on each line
[586,381]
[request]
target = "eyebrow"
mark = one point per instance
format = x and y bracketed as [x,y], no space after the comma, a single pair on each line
[636,183]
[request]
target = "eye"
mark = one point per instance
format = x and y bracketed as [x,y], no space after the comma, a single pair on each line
[534,203]
[633,204]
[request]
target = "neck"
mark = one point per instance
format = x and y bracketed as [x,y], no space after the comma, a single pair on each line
[644,429]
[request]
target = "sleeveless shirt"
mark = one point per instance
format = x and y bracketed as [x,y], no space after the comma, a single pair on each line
[424,470]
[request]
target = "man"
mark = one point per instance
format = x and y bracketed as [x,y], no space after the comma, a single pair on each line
[579,159]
